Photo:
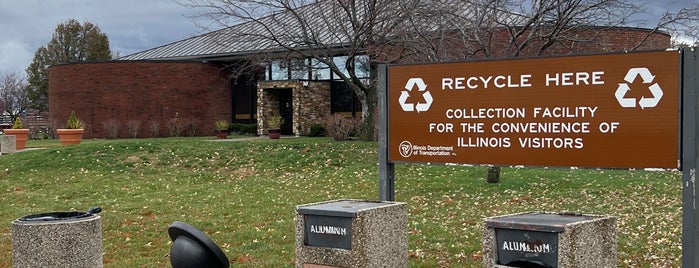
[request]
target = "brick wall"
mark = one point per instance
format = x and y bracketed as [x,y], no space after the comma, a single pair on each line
[589,41]
[138,91]
[584,41]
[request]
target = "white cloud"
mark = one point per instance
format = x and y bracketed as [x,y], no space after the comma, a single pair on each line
[13,54]
[131,25]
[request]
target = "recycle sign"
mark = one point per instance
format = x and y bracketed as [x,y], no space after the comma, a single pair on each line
[421,87]
[647,78]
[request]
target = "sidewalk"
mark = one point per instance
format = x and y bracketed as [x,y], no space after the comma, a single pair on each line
[252,138]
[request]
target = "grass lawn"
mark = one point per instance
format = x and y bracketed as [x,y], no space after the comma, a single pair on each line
[243,195]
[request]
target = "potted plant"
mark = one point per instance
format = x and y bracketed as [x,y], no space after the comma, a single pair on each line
[20,134]
[221,127]
[73,133]
[274,124]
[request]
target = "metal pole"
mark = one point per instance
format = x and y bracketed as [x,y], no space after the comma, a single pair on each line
[689,159]
[386,169]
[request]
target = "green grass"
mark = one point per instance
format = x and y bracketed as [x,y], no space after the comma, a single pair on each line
[243,195]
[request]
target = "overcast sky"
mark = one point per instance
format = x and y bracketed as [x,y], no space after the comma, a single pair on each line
[130,25]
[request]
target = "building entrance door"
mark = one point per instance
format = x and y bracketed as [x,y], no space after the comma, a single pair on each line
[286,111]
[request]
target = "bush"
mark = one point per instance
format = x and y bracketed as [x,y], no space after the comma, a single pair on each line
[74,122]
[191,126]
[339,127]
[111,127]
[221,125]
[244,129]
[175,126]
[133,127]
[317,130]
[39,133]
[155,129]
[17,124]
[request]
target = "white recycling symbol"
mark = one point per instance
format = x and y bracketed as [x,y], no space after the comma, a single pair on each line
[647,77]
[421,87]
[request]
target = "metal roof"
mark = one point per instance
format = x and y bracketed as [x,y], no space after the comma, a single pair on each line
[316,27]
[255,36]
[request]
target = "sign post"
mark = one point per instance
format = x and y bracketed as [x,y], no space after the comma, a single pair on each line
[690,101]
[386,168]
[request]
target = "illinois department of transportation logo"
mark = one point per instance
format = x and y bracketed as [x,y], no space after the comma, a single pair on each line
[415,89]
[406,149]
[647,82]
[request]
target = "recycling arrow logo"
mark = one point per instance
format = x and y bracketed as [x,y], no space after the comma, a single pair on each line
[421,87]
[647,77]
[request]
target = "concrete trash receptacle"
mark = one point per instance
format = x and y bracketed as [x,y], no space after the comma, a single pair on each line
[57,239]
[352,233]
[540,239]
[7,144]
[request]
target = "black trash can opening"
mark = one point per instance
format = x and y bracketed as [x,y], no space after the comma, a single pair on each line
[57,216]
[192,248]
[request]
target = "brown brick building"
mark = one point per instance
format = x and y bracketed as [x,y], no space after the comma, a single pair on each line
[176,84]
[148,92]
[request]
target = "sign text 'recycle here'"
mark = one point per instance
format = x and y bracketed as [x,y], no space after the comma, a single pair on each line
[612,110]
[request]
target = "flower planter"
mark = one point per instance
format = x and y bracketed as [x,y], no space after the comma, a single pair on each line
[21,136]
[70,136]
[274,133]
[221,134]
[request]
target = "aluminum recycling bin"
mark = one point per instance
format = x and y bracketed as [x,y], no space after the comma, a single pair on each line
[57,239]
[352,233]
[540,239]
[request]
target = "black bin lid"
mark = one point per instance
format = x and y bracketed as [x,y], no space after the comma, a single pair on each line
[61,216]
[537,221]
[340,208]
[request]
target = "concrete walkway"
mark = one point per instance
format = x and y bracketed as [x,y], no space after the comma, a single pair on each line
[252,138]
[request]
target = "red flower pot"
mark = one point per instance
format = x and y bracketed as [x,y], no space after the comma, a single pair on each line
[70,136]
[274,133]
[21,136]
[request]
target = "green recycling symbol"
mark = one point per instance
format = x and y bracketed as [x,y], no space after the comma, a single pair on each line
[421,87]
[647,77]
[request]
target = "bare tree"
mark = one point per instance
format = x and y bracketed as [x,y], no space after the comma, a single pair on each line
[391,31]
[315,30]
[513,28]
[13,94]
[682,24]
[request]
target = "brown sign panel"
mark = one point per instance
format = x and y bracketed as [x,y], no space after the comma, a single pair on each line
[614,111]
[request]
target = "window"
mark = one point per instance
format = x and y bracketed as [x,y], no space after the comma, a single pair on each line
[320,71]
[301,68]
[343,99]
[361,65]
[279,70]
[340,63]
[298,69]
